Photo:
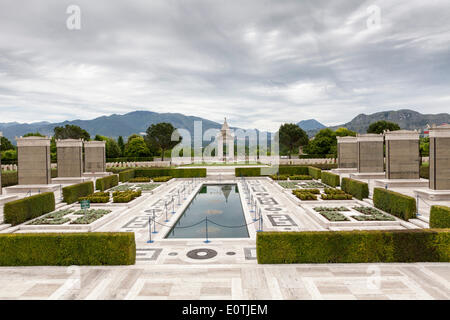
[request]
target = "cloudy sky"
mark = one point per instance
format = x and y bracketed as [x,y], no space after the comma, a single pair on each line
[259,63]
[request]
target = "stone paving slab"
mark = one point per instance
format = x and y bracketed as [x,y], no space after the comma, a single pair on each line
[234,281]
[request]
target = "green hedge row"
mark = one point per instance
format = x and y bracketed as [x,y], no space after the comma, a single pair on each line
[425,245]
[293,170]
[72,193]
[176,173]
[358,189]
[395,203]
[9,178]
[331,179]
[440,217]
[65,249]
[19,211]
[247,172]
[316,173]
[126,175]
[107,182]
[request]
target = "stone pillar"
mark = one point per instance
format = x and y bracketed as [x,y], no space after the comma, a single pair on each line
[347,152]
[440,158]
[402,155]
[370,153]
[219,149]
[33,159]
[70,157]
[94,156]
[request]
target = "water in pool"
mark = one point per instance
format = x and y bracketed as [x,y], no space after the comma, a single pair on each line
[222,205]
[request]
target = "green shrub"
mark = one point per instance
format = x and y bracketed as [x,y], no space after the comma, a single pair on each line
[125,196]
[300,177]
[247,172]
[9,178]
[440,217]
[72,193]
[397,204]
[325,166]
[279,177]
[162,179]
[98,197]
[425,172]
[126,175]
[331,179]
[19,211]
[416,245]
[176,173]
[54,173]
[293,170]
[358,189]
[305,194]
[140,179]
[65,249]
[314,172]
[107,182]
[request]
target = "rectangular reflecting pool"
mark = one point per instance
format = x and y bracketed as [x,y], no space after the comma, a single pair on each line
[221,204]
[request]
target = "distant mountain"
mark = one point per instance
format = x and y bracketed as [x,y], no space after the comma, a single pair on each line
[111,126]
[406,119]
[310,124]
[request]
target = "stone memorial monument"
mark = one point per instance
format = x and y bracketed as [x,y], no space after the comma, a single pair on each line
[347,153]
[402,160]
[370,156]
[439,182]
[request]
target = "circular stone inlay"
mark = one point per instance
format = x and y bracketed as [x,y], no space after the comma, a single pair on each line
[173,254]
[200,254]
[231,253]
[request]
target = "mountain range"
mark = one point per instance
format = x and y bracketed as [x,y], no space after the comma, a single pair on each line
[138,121]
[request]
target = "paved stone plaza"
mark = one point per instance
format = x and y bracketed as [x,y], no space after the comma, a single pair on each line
[224,268]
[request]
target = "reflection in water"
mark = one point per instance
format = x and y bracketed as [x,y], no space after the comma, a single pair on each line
[222,205]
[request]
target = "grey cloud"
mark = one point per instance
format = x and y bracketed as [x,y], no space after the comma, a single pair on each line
[260,63]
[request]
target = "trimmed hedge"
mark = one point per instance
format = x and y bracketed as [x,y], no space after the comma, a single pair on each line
[9,178]
[126,175]
[19,211]
[247,172]
[293,170]
[65,249]
[331,179]
[72,193]
[358,189]
[440,217]
[417,245]
[176,173]
[397,204]
[107,182]
[314,172]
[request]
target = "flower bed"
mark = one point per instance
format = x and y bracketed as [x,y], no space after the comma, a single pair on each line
[71,216]
[312,184]
[334,216]
[371,214]
[89,216]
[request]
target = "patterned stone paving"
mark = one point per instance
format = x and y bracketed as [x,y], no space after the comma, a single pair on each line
[338,281]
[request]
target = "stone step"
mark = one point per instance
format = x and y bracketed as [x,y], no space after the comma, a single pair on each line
[419,223]
[425,219]
[10,229]
[4,226]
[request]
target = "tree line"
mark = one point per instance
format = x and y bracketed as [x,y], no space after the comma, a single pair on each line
[155,142]
[324,143]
